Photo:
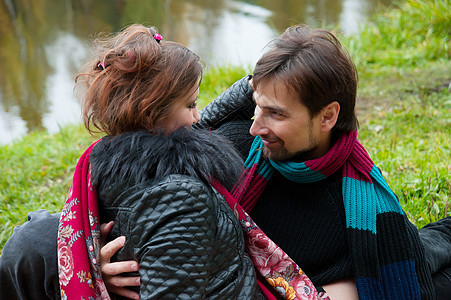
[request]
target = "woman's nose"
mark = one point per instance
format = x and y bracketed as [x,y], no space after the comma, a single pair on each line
[196,116]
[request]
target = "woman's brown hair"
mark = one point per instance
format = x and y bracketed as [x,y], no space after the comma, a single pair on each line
[133,79]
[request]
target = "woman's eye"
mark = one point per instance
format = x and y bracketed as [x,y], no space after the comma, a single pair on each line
[193,105]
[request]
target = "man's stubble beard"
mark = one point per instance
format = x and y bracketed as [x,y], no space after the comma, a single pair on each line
[283,154]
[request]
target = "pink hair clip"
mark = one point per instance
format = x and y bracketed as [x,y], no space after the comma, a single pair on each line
[100,65]
[157,37]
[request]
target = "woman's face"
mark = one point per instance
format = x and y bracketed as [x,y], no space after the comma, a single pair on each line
[183,112]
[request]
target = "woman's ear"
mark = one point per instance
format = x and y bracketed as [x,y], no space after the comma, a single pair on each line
[329,116]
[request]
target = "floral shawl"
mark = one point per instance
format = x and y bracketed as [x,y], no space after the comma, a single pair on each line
[78,238]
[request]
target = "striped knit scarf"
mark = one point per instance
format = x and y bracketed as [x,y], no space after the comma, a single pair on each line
[381,251]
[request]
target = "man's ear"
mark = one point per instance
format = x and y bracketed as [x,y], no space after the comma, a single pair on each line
[329,116]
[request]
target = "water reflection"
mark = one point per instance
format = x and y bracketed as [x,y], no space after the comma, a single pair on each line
[44,42]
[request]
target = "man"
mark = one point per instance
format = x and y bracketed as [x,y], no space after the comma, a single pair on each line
[322,201]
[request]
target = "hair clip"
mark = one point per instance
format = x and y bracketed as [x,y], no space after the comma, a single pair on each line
[157,37]
[101,66]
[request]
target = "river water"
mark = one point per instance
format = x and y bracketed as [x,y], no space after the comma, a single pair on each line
[43,43]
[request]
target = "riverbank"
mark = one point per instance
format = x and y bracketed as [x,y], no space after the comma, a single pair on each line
[404,108]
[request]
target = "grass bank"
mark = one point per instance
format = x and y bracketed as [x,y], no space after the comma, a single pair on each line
[404,108]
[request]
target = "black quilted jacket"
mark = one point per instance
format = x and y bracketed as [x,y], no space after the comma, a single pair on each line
[235,103]
[184,235]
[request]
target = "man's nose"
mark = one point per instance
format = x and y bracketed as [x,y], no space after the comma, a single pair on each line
[258,127]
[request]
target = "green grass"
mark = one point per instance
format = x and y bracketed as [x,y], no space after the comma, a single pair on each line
[404,108]
[36,174]
[217,80]
[409,138]
[411,33]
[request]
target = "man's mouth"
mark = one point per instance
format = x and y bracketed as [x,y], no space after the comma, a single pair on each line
[269,142]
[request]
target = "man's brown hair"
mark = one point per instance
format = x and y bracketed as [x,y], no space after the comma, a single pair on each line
[313,64]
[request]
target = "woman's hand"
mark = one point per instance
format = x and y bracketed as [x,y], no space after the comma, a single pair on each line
[115,283]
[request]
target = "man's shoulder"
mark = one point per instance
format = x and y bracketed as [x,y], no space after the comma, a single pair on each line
[237,132]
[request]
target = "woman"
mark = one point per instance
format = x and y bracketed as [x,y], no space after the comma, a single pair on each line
[154,177]
[151,175]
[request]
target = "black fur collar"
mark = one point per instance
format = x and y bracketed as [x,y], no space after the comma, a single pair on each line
[139,156]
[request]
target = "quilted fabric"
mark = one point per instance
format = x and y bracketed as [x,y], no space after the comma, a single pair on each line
[181,222]
[187,241]
[236,103]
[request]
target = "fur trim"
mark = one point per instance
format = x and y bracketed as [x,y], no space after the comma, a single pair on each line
[139,156]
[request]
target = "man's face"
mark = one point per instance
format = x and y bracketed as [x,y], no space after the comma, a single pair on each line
[284,124]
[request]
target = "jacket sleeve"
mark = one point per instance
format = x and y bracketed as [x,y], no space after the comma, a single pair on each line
[172,231]
[235,103]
